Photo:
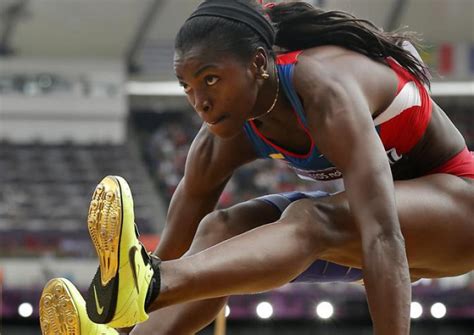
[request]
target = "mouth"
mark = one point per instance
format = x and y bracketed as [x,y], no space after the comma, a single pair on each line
[216,121]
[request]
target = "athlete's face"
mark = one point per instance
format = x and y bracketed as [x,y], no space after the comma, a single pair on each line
[222,89]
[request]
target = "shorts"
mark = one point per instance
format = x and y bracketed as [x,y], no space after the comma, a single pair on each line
[320,271]
[461,165]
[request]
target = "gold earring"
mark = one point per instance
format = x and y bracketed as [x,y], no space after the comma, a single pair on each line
[265,74]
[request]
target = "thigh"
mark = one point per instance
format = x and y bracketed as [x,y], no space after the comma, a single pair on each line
[436,214]
[224,224]
[245,216]
[437,219]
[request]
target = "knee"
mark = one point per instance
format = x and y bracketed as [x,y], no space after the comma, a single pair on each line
[216,224]
[214,228]
[317,222]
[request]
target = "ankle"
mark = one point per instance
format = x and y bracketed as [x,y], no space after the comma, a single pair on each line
[155,283]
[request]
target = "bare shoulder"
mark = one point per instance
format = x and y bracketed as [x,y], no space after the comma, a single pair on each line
[322,69]
[336,61]
[212,160]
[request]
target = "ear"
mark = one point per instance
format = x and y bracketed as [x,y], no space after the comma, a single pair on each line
[260,62]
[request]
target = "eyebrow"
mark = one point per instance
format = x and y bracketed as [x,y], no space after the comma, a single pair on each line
[204,68]
[200,70]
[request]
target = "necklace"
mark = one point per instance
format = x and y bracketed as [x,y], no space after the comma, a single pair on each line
[274,100]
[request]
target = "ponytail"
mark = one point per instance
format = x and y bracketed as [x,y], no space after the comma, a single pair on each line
[301,26]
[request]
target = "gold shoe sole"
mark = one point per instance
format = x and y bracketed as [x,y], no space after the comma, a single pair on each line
[58,314]
[104,223]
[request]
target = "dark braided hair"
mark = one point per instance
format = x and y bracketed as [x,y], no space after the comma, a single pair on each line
[301,26]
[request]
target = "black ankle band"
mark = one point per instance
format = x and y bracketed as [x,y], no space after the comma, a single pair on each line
[155,283]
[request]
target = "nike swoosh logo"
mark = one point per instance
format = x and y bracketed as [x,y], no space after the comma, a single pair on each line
[135,271]
[100,309]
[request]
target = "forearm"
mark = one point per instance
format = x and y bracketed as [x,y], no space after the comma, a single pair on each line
[386,272]
[387,282]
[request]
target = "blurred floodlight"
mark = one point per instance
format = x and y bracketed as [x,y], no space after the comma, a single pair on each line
[25,309]
[264,310]
[416,310]
[227,310]
[324,310]
[438,310]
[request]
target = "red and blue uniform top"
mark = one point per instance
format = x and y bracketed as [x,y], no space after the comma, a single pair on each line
[400,126]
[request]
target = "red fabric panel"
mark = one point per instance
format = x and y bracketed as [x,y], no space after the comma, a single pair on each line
[288,58]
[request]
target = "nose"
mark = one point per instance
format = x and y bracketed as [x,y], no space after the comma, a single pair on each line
[201,103]
[204,107]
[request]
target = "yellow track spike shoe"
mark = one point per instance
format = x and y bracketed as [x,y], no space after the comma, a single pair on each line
[63,311]
[119,289]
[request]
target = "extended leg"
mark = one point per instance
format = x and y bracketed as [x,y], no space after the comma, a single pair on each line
[439,208]
[435,215]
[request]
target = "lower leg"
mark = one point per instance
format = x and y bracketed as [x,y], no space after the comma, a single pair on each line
[259,260]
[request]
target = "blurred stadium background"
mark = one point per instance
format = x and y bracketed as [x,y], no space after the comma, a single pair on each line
[87,89]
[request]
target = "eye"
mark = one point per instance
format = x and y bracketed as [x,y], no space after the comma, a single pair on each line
[211,80]
[185,87]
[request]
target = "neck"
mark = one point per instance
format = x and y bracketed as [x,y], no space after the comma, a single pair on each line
[269,95]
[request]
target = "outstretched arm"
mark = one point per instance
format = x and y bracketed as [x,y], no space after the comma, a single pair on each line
[344,132]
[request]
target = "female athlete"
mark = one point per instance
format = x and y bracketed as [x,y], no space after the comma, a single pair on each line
[344,104]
